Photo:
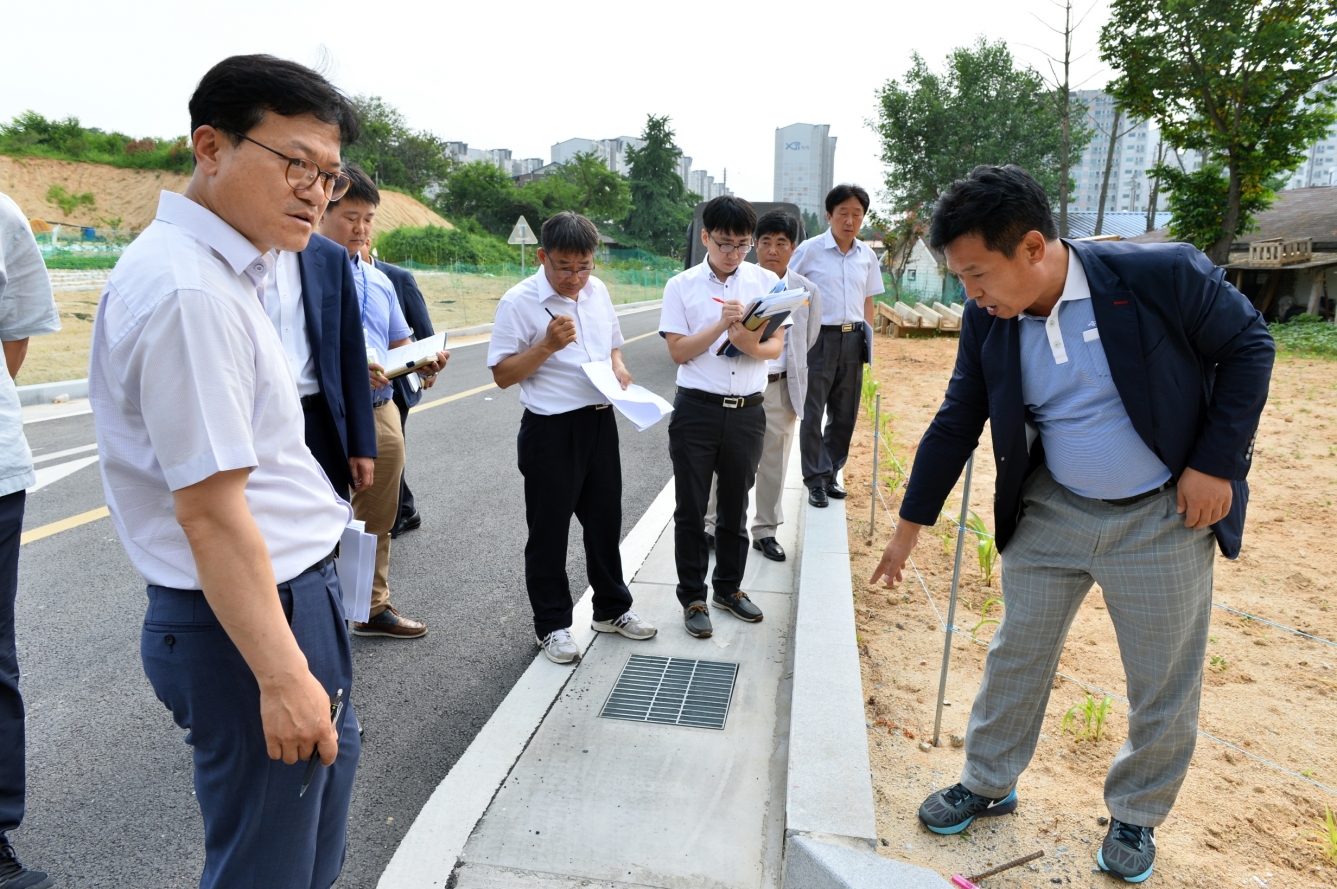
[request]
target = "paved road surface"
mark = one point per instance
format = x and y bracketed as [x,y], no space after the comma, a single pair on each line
[110,796]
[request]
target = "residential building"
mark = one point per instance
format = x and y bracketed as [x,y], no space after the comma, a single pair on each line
[1134,152]
[805,165]
[613,151]
[499,157]
[1320,163]
[685,171]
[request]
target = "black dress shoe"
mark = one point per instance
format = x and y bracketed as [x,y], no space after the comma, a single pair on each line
[835,491]
[770,549]
[817,497]
[412,523]
[696,617]
[739,605]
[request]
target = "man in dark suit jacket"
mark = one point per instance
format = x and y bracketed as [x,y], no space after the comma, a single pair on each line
[408,388]
[340,430]
[1123,385]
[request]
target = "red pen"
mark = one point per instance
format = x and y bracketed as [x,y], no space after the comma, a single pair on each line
[718,300]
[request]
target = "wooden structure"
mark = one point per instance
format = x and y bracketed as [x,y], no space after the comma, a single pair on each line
[904,319]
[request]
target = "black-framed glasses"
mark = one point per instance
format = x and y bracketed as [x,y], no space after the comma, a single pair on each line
[727,249]
[302,173]
[567,273]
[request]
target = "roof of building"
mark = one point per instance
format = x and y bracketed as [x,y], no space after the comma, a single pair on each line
[1297,213]
[1127,225]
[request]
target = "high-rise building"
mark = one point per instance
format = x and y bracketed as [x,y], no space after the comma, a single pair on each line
[613,151]
[805,165]
[685,171]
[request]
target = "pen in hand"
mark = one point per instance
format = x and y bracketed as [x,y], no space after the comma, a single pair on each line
[336,708]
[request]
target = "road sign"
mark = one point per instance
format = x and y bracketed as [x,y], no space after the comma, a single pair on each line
[522,234]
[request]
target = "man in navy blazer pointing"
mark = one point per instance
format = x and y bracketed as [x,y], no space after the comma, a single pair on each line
[1123,385]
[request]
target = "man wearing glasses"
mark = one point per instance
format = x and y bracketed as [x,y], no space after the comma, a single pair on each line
[213,492]
[718,423]
[547,326]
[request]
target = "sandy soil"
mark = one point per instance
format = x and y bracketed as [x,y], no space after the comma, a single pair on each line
[1270,693]
[467,300]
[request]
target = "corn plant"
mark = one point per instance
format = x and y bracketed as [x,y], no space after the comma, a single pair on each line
[984,546]
[984,614]
[1327,835]
[1087,719]
[1219,663]
[869,393]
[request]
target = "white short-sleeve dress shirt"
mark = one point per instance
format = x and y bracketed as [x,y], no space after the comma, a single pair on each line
[845,279]
[690,307]
[283,305]
[560,384]
[27,308]
[188,378]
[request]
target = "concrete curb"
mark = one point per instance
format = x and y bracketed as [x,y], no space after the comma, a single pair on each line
[813,864]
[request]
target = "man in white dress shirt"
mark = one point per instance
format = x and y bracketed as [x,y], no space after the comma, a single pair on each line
[214,494]
[847,271]
[718,422]
[547,326]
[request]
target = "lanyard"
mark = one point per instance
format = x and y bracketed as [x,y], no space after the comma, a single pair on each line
[362,267]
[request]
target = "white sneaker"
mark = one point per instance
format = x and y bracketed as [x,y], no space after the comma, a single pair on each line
[559,647]
[628,625]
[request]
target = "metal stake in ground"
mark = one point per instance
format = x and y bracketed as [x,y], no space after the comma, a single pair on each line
[951,605]
[872,489]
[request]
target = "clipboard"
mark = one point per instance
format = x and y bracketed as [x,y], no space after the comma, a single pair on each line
[415,354]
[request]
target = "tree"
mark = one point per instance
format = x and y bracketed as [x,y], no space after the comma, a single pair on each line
[583,185]
[1233,79]
[394,155]
[1078,135]
[813,224]
[661,208]
[983,109]
[482,191]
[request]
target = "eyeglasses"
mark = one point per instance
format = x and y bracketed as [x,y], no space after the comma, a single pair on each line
[302,173]
[728,249]
[567,273]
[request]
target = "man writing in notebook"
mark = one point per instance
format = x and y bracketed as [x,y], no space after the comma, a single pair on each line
[718,421]
[547,326]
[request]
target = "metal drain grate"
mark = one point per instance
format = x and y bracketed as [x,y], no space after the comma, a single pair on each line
[672,691]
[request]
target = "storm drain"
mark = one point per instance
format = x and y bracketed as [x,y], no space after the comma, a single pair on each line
[672,691]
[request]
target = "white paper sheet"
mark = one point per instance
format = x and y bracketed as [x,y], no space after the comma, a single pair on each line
[356,566]
[402,360]
[638,404]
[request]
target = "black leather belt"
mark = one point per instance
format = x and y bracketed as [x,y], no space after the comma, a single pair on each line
[310,402]
[777,377]
[1138,498]
[329,559]
[376,404]
[723,400]
[843,328]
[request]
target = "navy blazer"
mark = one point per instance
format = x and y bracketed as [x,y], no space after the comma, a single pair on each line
[414,307]
[334,330]
[1190,357]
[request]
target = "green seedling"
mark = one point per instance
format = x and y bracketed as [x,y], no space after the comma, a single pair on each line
[1327,835]
[1219,663]
[1306,773]
[985,547]
[984,614]
[1213,639]
[1087,719]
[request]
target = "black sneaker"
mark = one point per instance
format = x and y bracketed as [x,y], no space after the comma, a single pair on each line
[739,605]
[951,811]
[14,875]
[1129,851]
[696,617]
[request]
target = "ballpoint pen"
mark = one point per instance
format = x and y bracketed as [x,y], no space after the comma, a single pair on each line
[336,707]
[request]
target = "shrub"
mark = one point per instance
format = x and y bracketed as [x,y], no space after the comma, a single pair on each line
[1306,335]
[437,246]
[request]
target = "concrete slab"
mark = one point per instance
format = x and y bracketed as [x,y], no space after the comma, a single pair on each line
[812,864]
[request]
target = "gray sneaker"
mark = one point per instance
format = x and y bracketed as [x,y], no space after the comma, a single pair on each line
[628,625]
[559,647]
[1129,851]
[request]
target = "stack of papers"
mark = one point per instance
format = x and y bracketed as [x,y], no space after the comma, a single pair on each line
[772,310]
[638,404]
[356,564]
[415,354]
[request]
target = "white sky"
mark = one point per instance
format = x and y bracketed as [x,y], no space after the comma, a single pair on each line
[524,75]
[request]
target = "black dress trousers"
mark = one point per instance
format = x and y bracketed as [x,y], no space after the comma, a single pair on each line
[572,466]
[835,385]
[708,440]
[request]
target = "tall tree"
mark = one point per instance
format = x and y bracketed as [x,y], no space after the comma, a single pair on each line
[1233,79]
[1071,112]
[983,109]
[661,206]
[394,155]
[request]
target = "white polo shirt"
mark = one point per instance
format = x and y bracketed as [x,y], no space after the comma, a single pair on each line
[283,304]
[560,384]
[845,279]
[690,307]
[187,378]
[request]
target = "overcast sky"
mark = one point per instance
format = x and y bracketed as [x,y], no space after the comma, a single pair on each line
[523,75]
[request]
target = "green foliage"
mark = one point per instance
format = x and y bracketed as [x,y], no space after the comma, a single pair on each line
[1200,201]
[814,224]
[481,191]
[1229,78]
[433,245]
[985,547]
[70,260]
[661,205]
[1327,835]
[67,202]
[983,109]
[1315,340]
[985,620]
[1219,663]
[1091,717]
[32,135]
[391,153]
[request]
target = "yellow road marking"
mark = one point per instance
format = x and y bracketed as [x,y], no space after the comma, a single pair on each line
[449,398]
[73,521]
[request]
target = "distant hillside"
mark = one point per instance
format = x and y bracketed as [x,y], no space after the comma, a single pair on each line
[128,199]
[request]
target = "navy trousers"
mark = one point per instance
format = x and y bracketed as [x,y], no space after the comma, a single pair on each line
[11,703]
[258,834]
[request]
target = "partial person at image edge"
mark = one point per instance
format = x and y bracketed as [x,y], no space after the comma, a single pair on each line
[1122,384]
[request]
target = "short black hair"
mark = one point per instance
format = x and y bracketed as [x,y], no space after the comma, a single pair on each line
[569,232]
[362,189]
[1000,204]
[777,222]
[730,215]
[235,94]
[842,193]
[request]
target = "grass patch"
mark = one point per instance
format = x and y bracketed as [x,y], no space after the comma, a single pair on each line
[1306,336]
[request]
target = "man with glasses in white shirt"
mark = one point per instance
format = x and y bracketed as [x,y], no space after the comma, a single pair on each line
[214,493]
[718,423]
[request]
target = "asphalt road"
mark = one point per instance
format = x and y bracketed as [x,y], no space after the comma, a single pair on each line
[110,795]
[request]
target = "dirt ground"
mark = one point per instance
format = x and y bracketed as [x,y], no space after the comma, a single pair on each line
[467,300]
[1269,692]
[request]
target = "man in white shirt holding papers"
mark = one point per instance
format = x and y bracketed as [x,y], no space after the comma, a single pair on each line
[547,327]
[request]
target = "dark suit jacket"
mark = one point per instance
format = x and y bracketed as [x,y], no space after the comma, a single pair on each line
[334,329]
[1190,356]
[414,307]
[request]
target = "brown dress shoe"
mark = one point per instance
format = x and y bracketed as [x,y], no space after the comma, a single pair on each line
[391,623]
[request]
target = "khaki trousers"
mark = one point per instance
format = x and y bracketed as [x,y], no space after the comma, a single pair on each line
[378,505]
[770,486]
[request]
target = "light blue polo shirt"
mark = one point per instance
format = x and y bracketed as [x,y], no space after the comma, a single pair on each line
[1091,447]
[382,319]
